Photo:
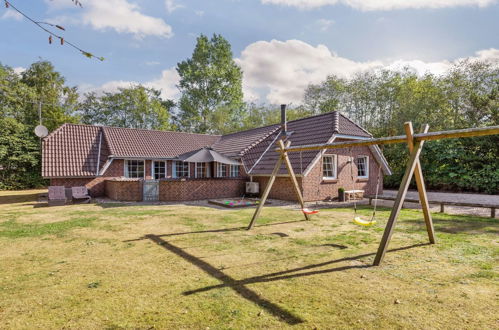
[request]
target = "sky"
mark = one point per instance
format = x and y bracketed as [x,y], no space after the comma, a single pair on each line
[281,45]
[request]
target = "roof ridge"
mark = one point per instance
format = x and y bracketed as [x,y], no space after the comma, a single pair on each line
[257,142]
[141,129]
[350,120]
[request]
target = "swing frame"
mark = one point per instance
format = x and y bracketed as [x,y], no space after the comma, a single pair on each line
[414,143]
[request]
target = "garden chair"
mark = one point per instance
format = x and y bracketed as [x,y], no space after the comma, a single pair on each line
[57,196]
[81,193]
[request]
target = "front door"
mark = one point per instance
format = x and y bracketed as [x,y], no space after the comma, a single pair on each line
[151,190]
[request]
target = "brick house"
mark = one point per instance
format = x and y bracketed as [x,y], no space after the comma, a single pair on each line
[136,164]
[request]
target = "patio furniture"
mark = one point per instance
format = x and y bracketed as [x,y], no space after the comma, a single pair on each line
[81,193]
[57,196]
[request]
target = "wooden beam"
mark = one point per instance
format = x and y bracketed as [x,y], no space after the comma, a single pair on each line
[468,132]
[266,192]
[397,206]
[293,177]
[418,175]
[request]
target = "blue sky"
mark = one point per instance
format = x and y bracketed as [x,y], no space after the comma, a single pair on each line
[282,45]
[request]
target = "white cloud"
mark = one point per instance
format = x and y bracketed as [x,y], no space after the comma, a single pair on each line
[324,24]
[12,14]
[280,71]
[367,5]
[285,68]
[19,69]
[166,83]
[118,15]
[171,6]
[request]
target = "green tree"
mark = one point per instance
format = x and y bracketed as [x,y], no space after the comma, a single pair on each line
[210,82]
[134,107]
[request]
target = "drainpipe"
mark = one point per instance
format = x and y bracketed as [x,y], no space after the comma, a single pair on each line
[98,155]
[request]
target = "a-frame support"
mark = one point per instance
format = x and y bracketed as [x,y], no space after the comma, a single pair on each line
[283,157]
[412,165]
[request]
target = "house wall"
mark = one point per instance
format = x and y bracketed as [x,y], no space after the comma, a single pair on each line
[195,189]
[124,189]
[96,186]
[314,187]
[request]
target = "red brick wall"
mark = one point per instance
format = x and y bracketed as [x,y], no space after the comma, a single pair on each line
[124,189]
[95,186]
[313,186]
[194,189]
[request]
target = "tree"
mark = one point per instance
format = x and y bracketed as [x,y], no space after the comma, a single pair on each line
[134,107]
[209,81]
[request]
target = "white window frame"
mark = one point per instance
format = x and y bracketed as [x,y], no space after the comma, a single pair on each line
[366,169]
[219,166]
[231,167]
[127,173]
[174,169]
[153,171]
[334,163]
[206,169]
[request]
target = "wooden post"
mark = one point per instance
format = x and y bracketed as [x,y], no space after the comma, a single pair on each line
[442,207]
[492,212]
[418,175]
[399,200]
[266,192]
[293,177]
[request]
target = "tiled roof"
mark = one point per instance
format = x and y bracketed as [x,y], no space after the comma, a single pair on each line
[310,130]
[72,150]
[129,142]
[236,144]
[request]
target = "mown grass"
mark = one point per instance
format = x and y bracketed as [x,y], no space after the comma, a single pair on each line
[176,266]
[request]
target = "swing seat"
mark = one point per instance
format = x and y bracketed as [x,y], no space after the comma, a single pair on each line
[363,222]
[309,211]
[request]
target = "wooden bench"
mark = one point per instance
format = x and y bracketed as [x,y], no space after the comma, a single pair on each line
[442,204]
[356,194]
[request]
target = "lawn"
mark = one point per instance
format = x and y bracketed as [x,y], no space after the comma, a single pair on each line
[191,267]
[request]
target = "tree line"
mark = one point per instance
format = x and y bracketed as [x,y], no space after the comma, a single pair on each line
[211,101]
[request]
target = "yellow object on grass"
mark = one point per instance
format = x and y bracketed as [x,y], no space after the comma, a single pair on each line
[363,222]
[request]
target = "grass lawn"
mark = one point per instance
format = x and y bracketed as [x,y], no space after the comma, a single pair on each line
[163,266]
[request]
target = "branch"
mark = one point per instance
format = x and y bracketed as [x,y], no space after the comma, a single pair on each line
[8,4]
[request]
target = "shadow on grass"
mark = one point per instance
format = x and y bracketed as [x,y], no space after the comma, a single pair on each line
[240,286]
[228,281]
[16,198]
[217,230]
[457,224]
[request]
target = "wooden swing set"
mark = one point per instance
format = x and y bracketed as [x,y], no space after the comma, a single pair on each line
[414,143]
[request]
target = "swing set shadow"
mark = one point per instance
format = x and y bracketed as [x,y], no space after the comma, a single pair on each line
[240,286]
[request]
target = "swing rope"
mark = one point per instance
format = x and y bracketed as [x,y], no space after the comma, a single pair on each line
[307,210]
[357,219]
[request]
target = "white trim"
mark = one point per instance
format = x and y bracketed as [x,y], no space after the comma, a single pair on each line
[125,170]
[317,157]
[334,162]
[153,172]
[106,166]
[98,154]
[263,154]
[367,167]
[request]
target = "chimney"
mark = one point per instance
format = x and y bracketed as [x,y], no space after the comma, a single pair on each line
[336,121]
[284,123]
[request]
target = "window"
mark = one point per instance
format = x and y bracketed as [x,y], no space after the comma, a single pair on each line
[234,171]
[221,170]
[329,167]
[181,169]
[202,170]
[134,168]
[363,167]
[159,170]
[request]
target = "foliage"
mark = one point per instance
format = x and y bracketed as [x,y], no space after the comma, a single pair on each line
[467,96]
[19,156]
[210,86]
[134,107]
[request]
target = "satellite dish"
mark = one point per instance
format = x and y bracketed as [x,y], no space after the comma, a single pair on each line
[41,131]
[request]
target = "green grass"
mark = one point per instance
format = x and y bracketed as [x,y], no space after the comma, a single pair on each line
[121,266]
